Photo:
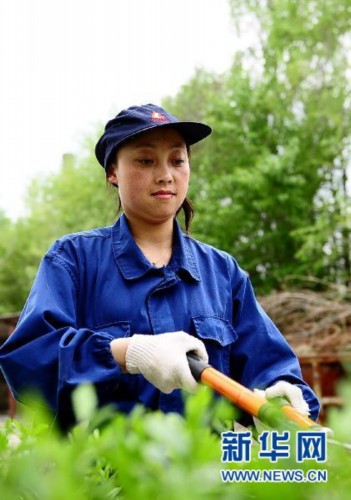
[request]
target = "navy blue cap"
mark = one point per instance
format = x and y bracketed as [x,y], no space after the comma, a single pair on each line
[137,119]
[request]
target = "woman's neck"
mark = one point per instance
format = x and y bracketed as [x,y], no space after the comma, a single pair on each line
[152,236]
[155,241]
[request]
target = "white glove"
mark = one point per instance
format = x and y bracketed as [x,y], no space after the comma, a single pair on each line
[290,391]
[162,359]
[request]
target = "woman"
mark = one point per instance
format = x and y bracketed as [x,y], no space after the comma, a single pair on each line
[121,306]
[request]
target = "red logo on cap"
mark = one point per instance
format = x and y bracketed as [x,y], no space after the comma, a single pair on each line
[158,118]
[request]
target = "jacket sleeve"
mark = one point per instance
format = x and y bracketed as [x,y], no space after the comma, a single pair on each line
[47,353]
[261,356]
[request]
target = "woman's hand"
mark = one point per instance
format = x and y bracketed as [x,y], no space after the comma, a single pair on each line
[292,392]
[160,358]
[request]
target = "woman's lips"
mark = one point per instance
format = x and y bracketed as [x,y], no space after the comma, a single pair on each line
[163,195]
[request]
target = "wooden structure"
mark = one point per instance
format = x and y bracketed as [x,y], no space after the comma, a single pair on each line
[318,328]
[7,325]
[323,372]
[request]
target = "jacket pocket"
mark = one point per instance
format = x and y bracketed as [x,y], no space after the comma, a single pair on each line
[218,336]
[118,329]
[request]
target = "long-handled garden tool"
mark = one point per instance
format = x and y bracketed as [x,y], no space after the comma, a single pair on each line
[276,416]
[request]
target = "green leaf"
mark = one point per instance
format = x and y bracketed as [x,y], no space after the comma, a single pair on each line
[84,402]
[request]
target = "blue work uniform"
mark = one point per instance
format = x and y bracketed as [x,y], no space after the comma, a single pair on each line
[95,286]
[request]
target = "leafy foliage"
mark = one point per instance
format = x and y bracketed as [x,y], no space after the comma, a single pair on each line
[74,199]
[271,187]
[149,455]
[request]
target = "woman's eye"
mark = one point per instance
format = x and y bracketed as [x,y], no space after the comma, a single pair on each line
[178,162]
[145,161]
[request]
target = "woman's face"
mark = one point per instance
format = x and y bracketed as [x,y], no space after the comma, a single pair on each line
[152,172]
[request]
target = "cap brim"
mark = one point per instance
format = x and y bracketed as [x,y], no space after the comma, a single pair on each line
[192,132]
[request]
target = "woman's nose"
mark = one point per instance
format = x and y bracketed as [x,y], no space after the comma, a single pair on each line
[163,172]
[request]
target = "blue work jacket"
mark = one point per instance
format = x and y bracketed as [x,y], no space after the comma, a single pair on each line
[94,286]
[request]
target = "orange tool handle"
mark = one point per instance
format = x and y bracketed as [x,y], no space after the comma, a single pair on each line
[247,400]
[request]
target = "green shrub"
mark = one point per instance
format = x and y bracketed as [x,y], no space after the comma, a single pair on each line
[150,456]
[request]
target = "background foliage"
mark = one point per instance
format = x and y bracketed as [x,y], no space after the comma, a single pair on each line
[272,184]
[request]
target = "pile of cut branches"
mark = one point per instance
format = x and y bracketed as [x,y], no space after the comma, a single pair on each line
[310,321]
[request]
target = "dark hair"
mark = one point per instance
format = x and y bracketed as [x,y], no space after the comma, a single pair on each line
[187,205]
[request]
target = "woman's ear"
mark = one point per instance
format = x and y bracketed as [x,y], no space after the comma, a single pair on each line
[111,175]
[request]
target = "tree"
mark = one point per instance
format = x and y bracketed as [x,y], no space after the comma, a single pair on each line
[74,199]
[271,186]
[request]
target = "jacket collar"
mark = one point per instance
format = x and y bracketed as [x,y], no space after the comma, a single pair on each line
[132,262]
